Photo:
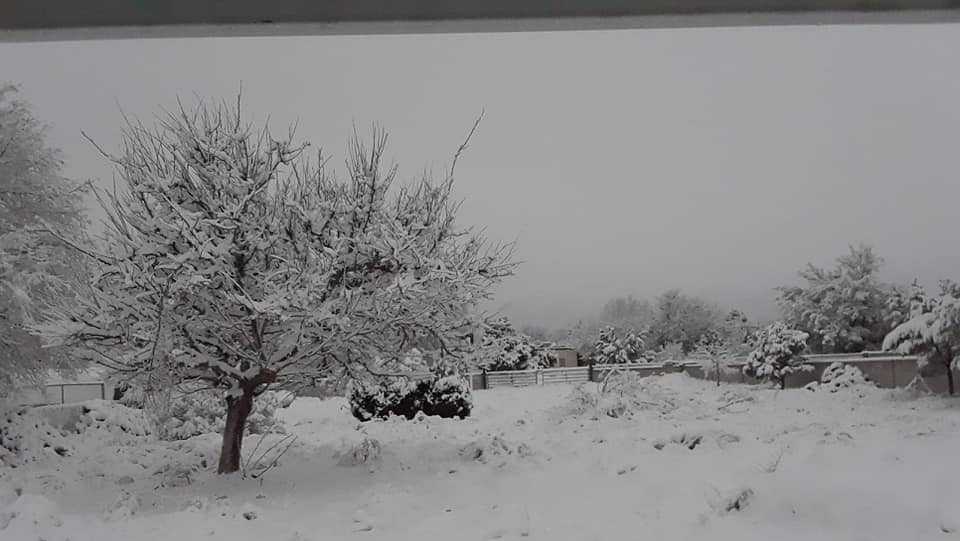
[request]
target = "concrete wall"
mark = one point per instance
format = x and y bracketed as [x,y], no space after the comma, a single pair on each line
[887,371]
[566,358]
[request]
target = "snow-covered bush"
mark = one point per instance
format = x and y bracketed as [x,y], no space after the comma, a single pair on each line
[203,412]
[611,349]
[503,348]
[26,437]
[715,351]
[190,411]
[623,394]
[115,419]
[669,352]
[840,376]
[445,396]
[777,354]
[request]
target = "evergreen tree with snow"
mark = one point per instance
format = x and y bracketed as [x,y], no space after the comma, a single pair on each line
[932,330]
[504,348]
[611,349]
[844,309]
[777,354]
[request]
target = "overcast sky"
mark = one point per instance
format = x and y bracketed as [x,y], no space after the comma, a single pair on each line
[718,161]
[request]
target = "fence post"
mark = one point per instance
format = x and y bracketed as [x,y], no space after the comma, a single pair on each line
[483,379]
[539,377]
[63,399]
[103,391]
[590,371]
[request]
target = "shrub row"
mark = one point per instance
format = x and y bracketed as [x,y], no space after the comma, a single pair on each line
[445,396]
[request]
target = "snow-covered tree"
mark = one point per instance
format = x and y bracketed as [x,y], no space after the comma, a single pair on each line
[682,319]
[503,348]
[777,354]
[611,349]
[626,314]
[34,266]
[932,330]
[236,260]
[844,309]
[715,348]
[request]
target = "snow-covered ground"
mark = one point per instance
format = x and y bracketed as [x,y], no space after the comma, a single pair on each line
[735,463]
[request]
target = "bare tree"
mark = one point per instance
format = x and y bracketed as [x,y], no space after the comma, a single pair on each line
[237,261]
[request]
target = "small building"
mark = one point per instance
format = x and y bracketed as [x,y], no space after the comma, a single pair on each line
[567,357]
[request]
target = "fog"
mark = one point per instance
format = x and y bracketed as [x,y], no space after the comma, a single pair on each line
[719,161]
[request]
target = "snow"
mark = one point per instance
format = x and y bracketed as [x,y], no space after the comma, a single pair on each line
[728,463]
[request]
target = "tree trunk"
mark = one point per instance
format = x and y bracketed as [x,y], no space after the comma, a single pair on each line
[238,409]
[950,376]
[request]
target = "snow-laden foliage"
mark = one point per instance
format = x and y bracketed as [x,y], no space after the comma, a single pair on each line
[611,349]
[113,419]
[442,395]
[627,314]
[235,260]
[503,348]
[623,394]
[844,309]
[190,410]
[25,436]
[668,353]
[777,354]
[34,266]
[932,330]
[715,351]
[839,376]
[682,319]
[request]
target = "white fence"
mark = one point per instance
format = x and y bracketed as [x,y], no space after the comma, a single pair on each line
[60,393]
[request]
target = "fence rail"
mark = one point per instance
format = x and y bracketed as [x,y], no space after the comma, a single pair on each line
[883,368]
[61,393]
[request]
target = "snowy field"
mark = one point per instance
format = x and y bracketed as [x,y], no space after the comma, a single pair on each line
[694,462]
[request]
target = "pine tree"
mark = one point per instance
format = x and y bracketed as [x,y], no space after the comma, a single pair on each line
[610,349]
[844,309]
[932,330]
[504,348]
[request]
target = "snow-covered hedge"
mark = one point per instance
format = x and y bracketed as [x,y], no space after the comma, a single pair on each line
[445,396]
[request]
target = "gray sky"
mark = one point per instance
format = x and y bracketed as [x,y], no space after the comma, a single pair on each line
[719,161]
